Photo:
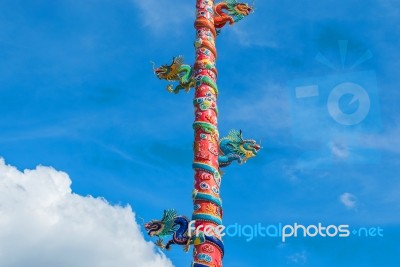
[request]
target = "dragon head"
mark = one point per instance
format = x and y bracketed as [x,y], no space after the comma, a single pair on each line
[162,227]
[169,72]
[234,144]
[238,10]
[243,9]
[249,148]
[154,228]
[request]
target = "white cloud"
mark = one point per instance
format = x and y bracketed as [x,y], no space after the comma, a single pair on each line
[298,258]
[339,149]
[44,224]
[348,200]
[164,16]
[387,141]
[266,106]
[247,36]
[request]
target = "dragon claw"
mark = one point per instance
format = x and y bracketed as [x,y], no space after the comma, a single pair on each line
[160,244]
[169,88]
[186,247]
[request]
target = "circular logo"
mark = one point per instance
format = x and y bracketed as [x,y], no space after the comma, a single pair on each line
[359,94]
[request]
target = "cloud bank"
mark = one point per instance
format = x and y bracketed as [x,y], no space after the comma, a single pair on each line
[161,15]
[44,224]
[348,200]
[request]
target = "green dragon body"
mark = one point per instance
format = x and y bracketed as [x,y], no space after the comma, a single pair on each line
[183,74]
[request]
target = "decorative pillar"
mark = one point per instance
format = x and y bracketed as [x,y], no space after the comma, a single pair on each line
[210,152]
[206,198]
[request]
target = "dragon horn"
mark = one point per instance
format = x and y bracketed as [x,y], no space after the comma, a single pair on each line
[154,64]
[240,135]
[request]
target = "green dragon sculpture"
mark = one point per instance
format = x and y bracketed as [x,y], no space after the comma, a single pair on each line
[234,147]
[183,74]
[176,71]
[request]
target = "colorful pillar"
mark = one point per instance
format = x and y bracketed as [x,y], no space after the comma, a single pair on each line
[206,198]
[210,152]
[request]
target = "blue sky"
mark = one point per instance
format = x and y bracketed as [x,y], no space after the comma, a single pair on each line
[78,94]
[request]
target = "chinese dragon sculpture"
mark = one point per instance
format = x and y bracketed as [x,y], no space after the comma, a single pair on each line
[183,74]
[170,224]
[235,11]
[234,147]
[177,226]
[176,71]
[228,11]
